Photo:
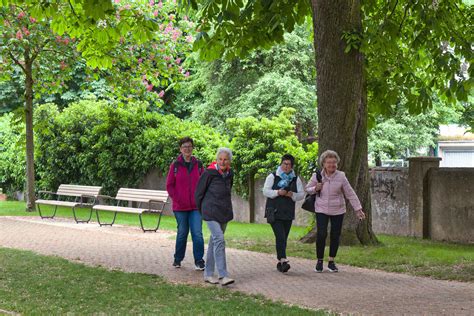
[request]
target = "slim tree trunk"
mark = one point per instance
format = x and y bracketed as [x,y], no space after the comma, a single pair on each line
[30,161]
[342,104]
[251,198]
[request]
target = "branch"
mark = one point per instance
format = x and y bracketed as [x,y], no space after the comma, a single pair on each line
[403,19]
[16,61]
[39,50]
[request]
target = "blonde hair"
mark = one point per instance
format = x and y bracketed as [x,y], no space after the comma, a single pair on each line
[328,154]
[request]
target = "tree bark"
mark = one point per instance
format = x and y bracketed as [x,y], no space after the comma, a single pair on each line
[30,161]
[342,104]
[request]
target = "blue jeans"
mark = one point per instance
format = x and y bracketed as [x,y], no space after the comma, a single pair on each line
[187,220]
[216,250]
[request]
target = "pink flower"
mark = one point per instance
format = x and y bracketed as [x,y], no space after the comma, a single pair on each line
[167,58]
[186,74]
[117,1]
[160,4]
[25,31]
[32,20]
[171,17]
[185,17]
[161,94]
[189,39]
[21,15]
[19,35]
[66,41]
[178,61]
[152,2]
[140,60]
[155,13]
[149,87]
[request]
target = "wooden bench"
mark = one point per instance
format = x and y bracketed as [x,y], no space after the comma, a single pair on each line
[78,196]
[151,199]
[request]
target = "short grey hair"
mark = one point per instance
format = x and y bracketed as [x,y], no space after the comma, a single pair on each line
[224,150]
[328,154]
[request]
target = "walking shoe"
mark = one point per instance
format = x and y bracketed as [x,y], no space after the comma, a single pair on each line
[199,266]
[319,266]
[176,264]
[285,266]
[226,281]
[332,267]
[279,266]
[211,280]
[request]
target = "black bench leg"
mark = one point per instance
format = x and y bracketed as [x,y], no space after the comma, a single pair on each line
[80,220]
[150,230]
[105,224]
[43,217]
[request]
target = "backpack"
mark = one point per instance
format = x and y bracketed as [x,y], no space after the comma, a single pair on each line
[175,167]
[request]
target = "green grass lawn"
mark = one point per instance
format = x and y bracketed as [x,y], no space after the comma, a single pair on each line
[396,254]
[32,284]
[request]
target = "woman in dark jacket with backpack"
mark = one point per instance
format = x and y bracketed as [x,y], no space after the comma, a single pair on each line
[181,183]
[282,189]
[213,199]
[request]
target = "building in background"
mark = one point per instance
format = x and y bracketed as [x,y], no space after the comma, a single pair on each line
[455,146]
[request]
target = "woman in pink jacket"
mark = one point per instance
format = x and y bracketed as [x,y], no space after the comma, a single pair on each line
[330,205]
[181,183]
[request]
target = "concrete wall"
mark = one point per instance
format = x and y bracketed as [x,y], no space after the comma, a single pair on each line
[449,204]
[389,198]
[155,181]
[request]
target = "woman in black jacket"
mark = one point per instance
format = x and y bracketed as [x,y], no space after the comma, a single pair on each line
[213,199]
[282,189]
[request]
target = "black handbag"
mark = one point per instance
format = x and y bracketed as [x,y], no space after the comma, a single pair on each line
[270,211]
[308,204]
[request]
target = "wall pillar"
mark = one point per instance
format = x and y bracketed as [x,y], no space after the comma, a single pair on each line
[418,217]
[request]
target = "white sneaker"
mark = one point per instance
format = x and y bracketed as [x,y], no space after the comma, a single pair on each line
[226,281]
[211,280]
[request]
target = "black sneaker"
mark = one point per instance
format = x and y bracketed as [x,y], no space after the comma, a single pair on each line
[279,266]
[319,266]
[199,266]
[332,267]
[176,264]
[285,266]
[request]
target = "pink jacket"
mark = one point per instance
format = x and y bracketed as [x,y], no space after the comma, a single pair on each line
[331,198]
[181,184]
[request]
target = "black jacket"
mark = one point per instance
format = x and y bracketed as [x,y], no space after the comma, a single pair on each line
[213,196]
[285,206]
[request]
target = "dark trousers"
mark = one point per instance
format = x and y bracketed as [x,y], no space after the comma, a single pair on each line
[281,229]
[322,233]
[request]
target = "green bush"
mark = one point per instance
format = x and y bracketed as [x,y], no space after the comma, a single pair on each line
[12,157]
[115,145]
[259,145]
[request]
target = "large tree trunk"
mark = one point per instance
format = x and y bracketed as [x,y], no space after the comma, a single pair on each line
[30,161]
[342,104]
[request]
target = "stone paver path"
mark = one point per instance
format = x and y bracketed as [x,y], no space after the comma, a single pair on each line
[353,290]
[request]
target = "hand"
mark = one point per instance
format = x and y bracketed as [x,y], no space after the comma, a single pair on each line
[289,194]
[282,192]
[360,215]
[318,187]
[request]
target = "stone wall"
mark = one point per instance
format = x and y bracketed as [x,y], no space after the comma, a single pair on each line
[389,198]
[449,204]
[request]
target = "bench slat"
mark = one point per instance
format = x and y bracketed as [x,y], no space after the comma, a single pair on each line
[78,190]
[58,203]
[141,195]
[122,209]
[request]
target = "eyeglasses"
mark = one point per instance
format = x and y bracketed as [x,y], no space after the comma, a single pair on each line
[187,147]
[286,163]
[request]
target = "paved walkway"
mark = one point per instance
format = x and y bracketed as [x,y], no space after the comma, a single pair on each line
[352,290]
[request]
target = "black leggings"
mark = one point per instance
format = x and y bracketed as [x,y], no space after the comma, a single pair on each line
[281,229]
[322,233]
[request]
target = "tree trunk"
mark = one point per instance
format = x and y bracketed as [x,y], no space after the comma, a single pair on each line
[342,104]
[251,198]
[30,161]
